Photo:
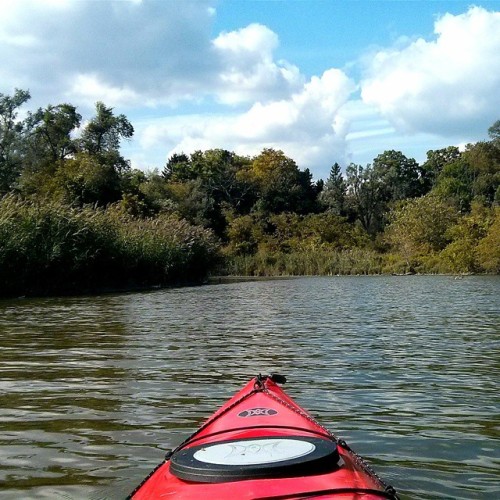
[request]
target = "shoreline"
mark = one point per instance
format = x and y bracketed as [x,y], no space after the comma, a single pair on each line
[215,280]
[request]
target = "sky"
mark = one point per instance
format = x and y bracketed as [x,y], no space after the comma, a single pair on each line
[324,81]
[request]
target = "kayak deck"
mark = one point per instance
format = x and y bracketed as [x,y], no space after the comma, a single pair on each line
[262,445]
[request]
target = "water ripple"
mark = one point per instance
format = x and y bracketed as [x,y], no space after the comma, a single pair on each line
[94,389]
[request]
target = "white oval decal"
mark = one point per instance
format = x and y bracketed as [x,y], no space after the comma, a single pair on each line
[254,451]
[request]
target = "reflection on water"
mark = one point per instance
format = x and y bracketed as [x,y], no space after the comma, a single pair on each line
[94,389]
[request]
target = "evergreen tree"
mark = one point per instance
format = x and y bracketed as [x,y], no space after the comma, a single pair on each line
[334,191]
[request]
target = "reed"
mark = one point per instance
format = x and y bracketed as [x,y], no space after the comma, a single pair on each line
[54,248]
[316,262]
[356,261]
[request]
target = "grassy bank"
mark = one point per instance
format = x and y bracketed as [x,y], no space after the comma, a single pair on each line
[322,262]
[316,262]
[54,248]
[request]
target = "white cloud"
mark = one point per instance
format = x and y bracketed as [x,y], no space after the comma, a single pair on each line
[90,89]
[307,126]
[445,86]
[131,52]
[160,51]
[161,58]
[248,68]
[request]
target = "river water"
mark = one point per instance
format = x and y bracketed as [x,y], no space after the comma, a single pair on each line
[93,390]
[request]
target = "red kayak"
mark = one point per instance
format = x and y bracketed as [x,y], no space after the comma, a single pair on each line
[261,445]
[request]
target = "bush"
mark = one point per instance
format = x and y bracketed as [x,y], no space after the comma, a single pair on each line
[488,249]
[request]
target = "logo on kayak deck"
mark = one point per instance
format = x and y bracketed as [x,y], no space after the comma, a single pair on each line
[258,412]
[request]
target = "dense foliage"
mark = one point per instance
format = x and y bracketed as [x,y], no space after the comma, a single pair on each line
[52,247]
[75,215]
[72,217]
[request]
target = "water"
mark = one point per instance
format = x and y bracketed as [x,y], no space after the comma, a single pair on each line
[93,390]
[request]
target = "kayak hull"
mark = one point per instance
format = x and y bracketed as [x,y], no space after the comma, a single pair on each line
[262,445]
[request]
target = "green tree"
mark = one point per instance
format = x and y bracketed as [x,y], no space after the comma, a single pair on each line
[49,140]
[455,184]
[244,233]
[436,160]
[488,248]
[218,184]
[365,197]
[399,176]
[11,138]
[484,161]
[178,168]
[333,194]
[494,133]
[331,231]
[471,175]
[219,170]
[48,143]
[460,253]
[152,189]
[102,135]
[192,201]
[282,187]
[84,180]
[419,226]
[284,232]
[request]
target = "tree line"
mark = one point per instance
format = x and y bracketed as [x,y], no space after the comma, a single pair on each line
[66,219]
[260,215]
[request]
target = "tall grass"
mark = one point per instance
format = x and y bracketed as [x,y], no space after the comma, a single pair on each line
[323,262]
[54,248]
[313,263]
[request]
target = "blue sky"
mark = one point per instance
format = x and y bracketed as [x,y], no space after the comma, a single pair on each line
[317,34]
[323,80]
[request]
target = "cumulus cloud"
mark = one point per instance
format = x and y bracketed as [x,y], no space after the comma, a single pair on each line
[150,50]
[89,88]
[248,67]
[162,55]
[136,52]
[444,86]
[307,126]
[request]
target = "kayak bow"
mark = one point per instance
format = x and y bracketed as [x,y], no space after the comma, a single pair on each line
[261,445]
